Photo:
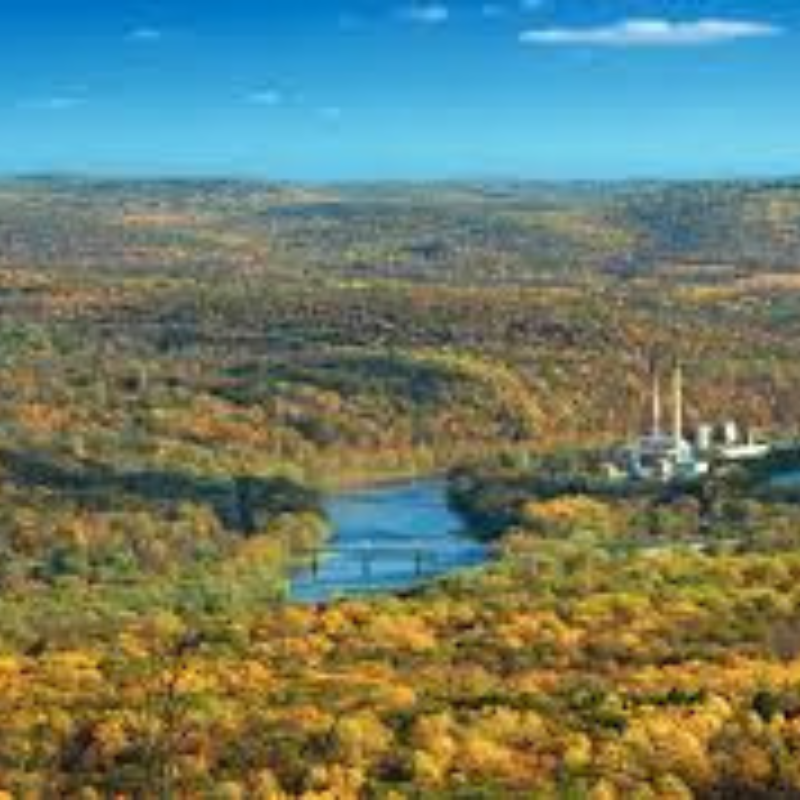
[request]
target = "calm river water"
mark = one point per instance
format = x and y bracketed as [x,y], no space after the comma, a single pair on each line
[786,480]
[388,539]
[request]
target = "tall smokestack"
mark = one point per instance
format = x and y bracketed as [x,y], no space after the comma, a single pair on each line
[677,422]
[656,402]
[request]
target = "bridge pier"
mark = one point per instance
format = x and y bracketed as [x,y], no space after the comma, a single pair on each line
[366,564]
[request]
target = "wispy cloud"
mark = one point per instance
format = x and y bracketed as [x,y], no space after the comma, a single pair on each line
[427,13]
[331,113]
[349,21]
[654,33]
[54,103]
[264,97]
[145,35]
[493,10]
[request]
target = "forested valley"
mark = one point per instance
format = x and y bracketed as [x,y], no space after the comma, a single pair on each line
[186,368]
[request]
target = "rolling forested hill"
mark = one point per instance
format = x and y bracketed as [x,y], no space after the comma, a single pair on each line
[478,233]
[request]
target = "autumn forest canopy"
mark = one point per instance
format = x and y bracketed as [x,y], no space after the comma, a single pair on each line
[187,368]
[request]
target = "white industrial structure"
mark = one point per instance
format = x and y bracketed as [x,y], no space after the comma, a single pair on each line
[665,455]
[668,455]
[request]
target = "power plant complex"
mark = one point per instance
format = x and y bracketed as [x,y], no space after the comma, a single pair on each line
[667,454]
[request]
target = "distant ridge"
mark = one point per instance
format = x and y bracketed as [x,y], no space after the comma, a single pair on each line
[480,232]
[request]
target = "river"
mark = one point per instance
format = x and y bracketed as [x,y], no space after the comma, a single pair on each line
[786,480]
[388,539]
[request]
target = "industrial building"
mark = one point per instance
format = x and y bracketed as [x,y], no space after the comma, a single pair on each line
[669,454]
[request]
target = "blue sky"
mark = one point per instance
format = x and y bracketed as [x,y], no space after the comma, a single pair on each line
[360,89]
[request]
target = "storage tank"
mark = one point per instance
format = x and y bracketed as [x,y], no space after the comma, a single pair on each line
[730,434]
[705,438]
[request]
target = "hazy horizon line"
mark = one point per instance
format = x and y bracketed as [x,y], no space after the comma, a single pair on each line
[177,176]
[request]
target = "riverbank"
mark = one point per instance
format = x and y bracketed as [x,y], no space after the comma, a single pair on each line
[428,465]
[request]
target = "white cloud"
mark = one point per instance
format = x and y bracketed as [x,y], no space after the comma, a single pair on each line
[428,14]
[54,103]
[265,97]
[654,33]
[331,113]
[349,22]
[145,35]
[493,10]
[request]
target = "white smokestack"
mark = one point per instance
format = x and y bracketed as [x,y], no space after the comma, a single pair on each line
[656,403]
[677,420]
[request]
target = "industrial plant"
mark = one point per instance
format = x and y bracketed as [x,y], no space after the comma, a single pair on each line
[668,454]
